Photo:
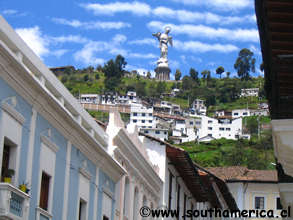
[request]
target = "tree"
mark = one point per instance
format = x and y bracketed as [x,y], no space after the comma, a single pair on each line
[245,63]
[228,74]
[220,70]
[205,73]
[114,71]
[149,75]
[177,75]
[262,67]
[161,88]
[186,83]
[97,76]
[193,74]
[86,77]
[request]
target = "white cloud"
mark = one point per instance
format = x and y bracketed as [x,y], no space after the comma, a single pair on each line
[245,35]
[142,56]
[255,50]
[35,40]
[206,17]
[88,54]
[119,38]
[92,24]
[69,39]
[59,53]
[224,5]
[145,41]
[135,7]
[199,47]
[9,12]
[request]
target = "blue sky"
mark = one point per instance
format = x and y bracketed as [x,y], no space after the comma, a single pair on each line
[206,33]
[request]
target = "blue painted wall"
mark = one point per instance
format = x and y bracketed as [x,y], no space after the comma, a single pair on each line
[77,158]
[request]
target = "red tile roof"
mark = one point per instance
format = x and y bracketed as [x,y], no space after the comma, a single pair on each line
[243,174]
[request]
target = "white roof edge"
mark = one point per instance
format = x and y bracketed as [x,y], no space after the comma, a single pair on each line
[38,68]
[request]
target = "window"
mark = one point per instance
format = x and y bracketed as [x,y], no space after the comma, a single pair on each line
[197,122]
[278,203]
[259,202]
[150,121]
[245,113]
[105,218]
[134,114]
[134,120]
[82,210]
[236,113]
[143,114]
[142,121]
[146,132]
[210,122]
[191,122]
[157,132]
[150,114]
[44,194]
[178,200]
[222,129]
[5,160]
[210,135]
[210,128]
[228,129]
[165,132]
[170,189]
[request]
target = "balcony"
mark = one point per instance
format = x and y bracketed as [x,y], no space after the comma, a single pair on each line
[14,203]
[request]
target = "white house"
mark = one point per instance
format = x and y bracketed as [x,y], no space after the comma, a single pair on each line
[89,99]
[141,116]
[236,113]
[249,92]
[160,133]
[184,130]
[199,107]
[212,128]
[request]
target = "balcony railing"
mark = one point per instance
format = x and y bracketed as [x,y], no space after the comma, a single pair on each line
[14,203]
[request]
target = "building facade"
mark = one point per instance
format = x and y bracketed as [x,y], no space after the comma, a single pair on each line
[49,145]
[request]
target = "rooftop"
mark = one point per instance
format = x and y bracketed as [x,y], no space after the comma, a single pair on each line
[243,174]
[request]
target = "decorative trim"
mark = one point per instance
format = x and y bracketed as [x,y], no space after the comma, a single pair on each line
[43,212]
[108,192]
[85,173]
[13,112]
[49,143]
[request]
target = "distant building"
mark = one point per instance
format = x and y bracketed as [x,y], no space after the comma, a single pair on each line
[249,92]
[159,133]
[62,69]
[252,189]
[141,116]
[89,99]
[240,113]
[212,128]
[260,112]
[199,107]
[184,130]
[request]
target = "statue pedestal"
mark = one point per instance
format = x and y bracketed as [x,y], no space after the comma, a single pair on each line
[163,73]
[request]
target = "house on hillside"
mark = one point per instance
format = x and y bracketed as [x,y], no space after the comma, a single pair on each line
[199,107]
[251,92]
[217,128]
[251,189]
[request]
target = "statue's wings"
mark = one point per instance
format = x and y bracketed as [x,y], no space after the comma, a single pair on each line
[157,35]
[170,39]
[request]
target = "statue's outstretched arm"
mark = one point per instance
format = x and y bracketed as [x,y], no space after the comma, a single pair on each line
[157,35]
